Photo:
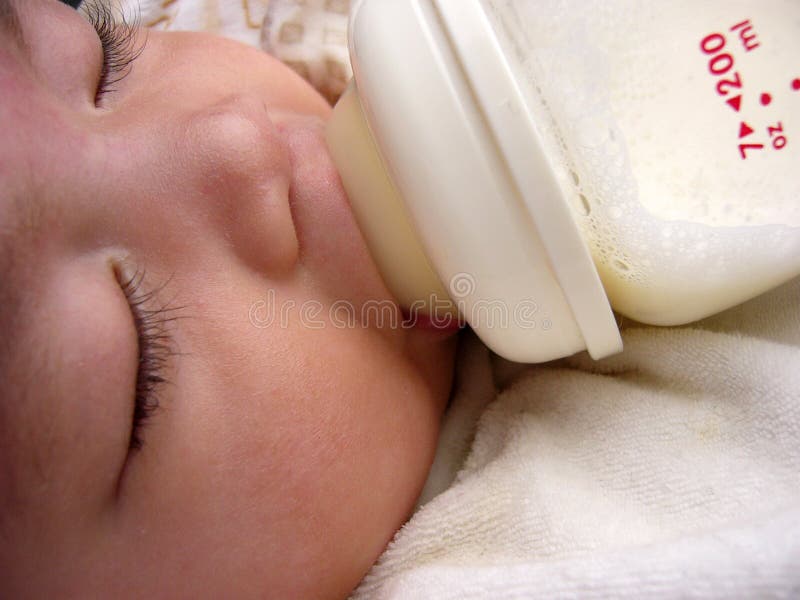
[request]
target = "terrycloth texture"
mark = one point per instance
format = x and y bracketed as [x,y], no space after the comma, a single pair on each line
[308,35]
[671,470]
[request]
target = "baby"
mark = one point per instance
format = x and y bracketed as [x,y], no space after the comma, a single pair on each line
[159,440]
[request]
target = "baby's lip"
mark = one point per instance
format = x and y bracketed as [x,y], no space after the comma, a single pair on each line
[445,324]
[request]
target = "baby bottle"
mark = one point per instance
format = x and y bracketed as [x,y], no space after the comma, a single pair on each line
[526,165]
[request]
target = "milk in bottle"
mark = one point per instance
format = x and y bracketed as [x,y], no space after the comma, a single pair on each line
[545,160]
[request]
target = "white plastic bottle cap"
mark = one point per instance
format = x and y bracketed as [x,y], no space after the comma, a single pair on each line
[454,132]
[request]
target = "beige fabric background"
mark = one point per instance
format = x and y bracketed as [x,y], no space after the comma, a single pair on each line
[308,35]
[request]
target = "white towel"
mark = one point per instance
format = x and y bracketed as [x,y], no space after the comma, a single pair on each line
[669,471]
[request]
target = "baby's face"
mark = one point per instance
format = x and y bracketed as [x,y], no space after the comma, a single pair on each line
[188,226]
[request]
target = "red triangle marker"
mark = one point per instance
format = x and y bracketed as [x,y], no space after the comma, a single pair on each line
[736,103]
[745,130]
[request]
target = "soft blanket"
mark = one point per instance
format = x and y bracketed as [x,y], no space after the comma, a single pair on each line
[671,470]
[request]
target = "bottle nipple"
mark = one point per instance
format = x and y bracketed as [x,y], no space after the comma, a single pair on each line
[380,213]
[452,191]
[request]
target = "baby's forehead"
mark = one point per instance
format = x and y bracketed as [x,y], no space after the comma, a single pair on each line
[19,228]
[9,297]
[21,371]
[10,34]
[13,245]
[10,353]
[19,264]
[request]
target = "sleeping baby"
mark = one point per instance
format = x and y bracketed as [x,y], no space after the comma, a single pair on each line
[155,441]
[210,393]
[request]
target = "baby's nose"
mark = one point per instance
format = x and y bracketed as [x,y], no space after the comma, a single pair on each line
[239,168]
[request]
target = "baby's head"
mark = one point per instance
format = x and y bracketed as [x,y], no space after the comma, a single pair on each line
[206,388]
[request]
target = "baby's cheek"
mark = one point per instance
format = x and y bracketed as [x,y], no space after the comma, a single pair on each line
[331,444]
[371,427]
[286,453]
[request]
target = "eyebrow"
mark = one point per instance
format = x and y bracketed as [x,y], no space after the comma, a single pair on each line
[9,19]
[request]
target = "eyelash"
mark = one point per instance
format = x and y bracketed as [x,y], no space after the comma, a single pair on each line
[119,40]
[155,349]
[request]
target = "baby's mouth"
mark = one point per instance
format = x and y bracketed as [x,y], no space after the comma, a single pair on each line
[444,323]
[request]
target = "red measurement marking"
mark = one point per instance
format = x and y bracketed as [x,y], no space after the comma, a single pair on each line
[766,99]
[796,84]
[726,85]
[735,103]
[743,148]
[747,35]
[778,141]
[713,43]
[745,130]
[720,64]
